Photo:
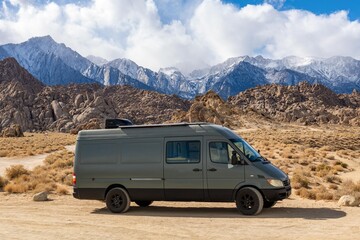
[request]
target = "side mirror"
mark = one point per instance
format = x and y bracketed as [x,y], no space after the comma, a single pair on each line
[234,158]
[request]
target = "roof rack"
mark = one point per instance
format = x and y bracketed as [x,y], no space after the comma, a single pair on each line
[164,125]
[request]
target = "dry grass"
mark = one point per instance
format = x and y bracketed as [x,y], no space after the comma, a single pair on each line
[3,182]
[35,143]
[312,157]
[54,175]
[15,171]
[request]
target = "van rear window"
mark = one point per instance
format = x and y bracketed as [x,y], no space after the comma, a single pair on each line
[183,152]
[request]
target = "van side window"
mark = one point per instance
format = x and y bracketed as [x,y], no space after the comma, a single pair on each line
[183,152]
[220,152]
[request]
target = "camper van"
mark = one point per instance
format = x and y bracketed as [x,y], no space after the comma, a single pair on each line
[174,162]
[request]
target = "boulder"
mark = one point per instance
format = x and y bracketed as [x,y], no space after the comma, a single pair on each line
[348,200]
[78,100]
[58,112]
[13,131]
[42,196]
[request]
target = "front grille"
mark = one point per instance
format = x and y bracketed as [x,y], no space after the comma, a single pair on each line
[286,182]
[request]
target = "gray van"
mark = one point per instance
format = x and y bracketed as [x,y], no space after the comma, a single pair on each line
[174,162]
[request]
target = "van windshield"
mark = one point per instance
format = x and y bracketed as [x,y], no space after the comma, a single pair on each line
[246,148]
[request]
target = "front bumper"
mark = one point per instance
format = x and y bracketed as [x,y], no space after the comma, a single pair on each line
[272,195]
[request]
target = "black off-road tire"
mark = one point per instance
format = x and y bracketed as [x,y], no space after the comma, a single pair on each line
[143,203]
[249,201]
[117,200]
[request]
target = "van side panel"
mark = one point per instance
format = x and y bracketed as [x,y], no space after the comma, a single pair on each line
[142,166]
[136,164]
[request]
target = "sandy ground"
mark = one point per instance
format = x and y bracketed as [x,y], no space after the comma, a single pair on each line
[67,218]
[29,162]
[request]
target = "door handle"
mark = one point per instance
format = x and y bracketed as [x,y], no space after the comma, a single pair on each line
[197,170]
[212,169]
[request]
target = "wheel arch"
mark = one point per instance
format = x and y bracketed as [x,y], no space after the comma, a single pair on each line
[244,186]
[115,185]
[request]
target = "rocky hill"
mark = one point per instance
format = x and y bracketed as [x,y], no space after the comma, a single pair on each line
[27,102]
[303,103]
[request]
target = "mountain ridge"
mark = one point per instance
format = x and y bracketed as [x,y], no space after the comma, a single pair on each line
[55,63]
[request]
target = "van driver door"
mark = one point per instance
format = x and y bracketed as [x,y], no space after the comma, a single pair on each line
[222,176]
[183,169]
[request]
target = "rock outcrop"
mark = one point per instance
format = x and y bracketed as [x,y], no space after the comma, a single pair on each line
[41,196]
[303,103]
[209,108]
[348,200]
[13,131]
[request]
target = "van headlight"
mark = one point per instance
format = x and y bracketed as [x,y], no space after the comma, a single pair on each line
[275,182]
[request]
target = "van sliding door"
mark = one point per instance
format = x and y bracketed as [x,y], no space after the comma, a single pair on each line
[183,170]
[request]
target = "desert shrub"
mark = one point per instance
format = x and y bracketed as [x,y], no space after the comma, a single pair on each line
[15,171]
[299,181]
[60,159]
[333,179]
[312,167]
[17,187]
[3,182]
[52,176]
[62,190]
[4,153]
[324,195]
[342,164]
[306,193]
[348,187]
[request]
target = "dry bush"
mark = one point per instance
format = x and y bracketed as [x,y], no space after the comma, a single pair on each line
[3,182]
[15,171]
[299,181]
[324,195]
[342,164]
[35,143]
[56,170]
[15,187]
[306,193]
[333,179]
[62,190]
[4,153]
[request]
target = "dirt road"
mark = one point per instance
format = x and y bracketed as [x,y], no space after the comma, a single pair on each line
[67,218]
[29,162]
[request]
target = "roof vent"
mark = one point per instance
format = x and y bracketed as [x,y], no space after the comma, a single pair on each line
[115,123]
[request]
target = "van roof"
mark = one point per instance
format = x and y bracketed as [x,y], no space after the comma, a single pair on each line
[155,130]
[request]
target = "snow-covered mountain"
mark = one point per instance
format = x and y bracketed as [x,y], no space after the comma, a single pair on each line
[97,60]
[54,63]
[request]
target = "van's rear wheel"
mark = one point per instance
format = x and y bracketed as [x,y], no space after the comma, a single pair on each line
[269,204]
[117,200]
[143,203]
[249,201]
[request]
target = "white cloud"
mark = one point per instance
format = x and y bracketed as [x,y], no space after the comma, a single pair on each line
[204,33]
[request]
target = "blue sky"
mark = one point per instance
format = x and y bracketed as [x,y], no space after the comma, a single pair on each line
[315,6]
[188,34]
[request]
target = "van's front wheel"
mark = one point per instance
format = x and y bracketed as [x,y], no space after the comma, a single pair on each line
[117,200]
[143,203]
[249,201]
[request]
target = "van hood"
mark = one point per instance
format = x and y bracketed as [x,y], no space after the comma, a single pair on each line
[270,170]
